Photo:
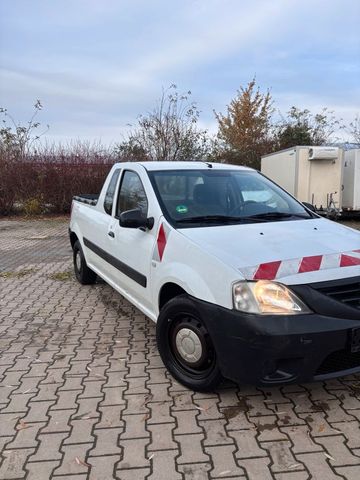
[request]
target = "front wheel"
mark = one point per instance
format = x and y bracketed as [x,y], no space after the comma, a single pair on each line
[82,272]
[185,345]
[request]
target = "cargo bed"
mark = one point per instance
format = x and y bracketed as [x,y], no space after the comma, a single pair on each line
[88,198]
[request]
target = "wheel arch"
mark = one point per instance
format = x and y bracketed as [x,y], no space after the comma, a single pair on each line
[177,279]
[73,239]
[168,291]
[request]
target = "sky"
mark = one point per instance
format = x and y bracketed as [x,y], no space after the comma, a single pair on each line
[97,64]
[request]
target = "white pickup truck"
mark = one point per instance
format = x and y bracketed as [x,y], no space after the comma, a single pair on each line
[242,280]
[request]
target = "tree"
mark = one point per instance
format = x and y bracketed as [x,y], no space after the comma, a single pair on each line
[168,132]
[355,130]
[131,150]
[19,139]
[301,127]
[245,131]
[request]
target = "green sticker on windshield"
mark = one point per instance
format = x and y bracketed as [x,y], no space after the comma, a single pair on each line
[182,209]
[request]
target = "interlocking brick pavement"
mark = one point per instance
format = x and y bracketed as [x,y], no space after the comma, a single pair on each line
[84,394]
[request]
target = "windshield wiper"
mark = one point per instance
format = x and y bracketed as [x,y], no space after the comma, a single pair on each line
[268,216]
[275,215]
[210,218]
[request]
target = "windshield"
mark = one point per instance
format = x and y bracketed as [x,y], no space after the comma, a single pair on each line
[216,196]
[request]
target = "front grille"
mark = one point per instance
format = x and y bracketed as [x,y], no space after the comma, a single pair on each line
[338,361]
[347,293]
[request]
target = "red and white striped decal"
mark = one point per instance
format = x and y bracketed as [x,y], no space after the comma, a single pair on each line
[160,245]
[294,266]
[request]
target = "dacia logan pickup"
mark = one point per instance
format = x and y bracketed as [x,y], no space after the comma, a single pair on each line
[242,280]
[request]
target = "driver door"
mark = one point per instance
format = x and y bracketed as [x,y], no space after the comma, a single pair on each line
[132,247]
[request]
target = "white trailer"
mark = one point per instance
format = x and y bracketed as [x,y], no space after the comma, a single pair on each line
[311,174]
[351,193]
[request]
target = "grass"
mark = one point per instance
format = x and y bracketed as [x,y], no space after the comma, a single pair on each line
[19,274]
[6,274]
[59,276]
[62,276]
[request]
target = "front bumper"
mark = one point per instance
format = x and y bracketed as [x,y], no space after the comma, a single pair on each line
[282,349]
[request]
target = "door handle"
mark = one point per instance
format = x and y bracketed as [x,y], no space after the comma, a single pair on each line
[111,234]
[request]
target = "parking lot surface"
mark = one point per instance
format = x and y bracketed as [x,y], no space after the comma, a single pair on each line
[84,394]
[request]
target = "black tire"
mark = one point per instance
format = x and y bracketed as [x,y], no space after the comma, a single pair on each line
[177,317]
[82,272]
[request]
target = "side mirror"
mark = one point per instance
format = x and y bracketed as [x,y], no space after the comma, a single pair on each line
[135,219]
[309,206]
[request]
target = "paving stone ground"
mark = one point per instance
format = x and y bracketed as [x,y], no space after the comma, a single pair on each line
[84,394]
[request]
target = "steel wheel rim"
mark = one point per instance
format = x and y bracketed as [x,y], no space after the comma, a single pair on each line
[188,345]
[203,360]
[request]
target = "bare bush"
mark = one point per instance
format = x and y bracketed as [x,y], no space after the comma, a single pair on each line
[20,139]
[169,132]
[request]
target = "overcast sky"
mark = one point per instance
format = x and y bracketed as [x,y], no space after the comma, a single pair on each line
[97,64]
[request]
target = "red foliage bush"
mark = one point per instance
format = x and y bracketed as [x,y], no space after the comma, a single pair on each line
[50,179]
[8,189]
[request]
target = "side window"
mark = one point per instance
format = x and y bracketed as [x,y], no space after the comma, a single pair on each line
[132,194]
[109,196]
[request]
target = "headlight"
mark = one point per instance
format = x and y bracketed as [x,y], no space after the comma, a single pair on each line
[266,297]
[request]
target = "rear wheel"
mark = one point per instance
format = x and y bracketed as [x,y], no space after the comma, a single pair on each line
[82,272]
[185,345]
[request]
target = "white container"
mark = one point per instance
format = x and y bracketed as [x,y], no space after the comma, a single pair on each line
[311,174]
[351,193]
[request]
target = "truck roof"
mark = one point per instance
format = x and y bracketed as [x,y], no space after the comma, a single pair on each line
[151,165]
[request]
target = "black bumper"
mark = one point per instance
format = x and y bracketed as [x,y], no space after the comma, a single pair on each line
[282,349]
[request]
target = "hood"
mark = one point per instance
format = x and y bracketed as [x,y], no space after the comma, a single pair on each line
[292,252]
